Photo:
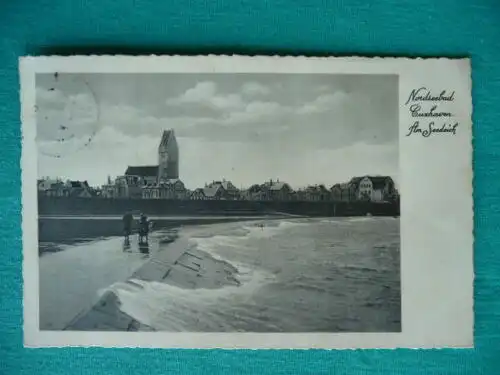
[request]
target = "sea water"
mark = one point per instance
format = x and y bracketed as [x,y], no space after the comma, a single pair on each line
[297,275]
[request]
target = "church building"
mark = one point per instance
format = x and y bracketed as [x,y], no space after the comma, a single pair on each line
[167,168]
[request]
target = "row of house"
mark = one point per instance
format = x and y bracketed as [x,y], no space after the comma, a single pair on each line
[58,188]
[370,188]
[140,184]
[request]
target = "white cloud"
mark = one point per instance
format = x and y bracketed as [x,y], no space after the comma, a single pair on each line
[324,103]
[203,91]
[205,94]
[254,89]
[226,101]
[255,112]
[133,121]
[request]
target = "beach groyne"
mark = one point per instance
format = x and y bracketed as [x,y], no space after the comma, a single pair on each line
[160,207]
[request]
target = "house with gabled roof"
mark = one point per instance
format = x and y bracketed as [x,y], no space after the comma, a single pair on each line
[129,186]
[166,189]
[214,193]
[52,187]
[373,188]
[80,189]
[273,190]
[197,195]
[280,190]
[344,192]
[229,191]
[175,188]
[317,193]
[57,189]
[255,192]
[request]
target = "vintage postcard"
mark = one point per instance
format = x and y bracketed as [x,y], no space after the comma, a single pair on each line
[247,202]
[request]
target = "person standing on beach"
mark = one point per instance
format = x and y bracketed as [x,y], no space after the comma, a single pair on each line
[127,224]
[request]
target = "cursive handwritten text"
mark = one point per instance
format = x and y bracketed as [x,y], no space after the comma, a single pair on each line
[424,94]
[417,111]
[432,129]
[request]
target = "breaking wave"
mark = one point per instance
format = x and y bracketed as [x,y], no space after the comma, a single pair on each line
[167,307]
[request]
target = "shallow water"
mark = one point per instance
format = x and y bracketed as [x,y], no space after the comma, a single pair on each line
[72,276]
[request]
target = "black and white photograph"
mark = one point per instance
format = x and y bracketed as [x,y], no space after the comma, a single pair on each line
[219,202]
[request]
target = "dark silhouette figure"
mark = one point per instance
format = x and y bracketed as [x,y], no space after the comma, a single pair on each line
[127,219]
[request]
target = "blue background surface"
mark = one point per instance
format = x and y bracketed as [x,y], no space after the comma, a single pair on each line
[312,27]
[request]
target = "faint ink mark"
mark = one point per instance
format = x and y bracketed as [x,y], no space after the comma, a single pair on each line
[65,131]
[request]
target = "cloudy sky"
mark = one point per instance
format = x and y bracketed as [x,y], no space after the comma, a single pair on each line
[248,128]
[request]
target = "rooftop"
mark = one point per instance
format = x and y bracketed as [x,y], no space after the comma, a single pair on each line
[142,171]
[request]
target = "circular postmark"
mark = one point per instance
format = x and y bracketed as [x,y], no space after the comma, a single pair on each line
[67,114]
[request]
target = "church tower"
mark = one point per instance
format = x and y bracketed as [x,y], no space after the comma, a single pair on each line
[168,156]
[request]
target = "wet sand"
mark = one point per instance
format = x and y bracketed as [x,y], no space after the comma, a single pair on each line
[175,264]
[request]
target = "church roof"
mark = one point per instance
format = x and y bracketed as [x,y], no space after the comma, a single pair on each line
[142,170]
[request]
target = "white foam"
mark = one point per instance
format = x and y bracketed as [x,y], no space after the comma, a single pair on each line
[158,305]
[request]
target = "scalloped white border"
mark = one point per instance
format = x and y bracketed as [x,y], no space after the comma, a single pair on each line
[436,209]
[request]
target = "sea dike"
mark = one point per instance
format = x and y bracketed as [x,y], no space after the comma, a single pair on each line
[85,206]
